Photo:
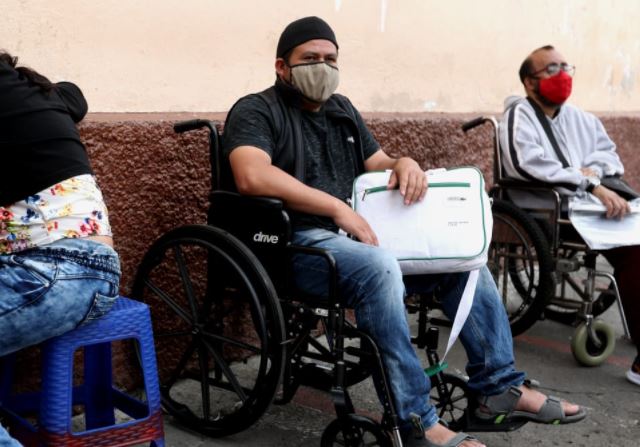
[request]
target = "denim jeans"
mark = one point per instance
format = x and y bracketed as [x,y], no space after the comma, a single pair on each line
[370,282]
[52,289]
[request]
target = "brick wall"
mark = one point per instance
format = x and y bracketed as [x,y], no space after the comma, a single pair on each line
[154,179]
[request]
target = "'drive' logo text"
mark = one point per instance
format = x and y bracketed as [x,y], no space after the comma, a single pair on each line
[267,238]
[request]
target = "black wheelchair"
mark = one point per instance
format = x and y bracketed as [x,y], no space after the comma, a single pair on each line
[227,319]
[544,269]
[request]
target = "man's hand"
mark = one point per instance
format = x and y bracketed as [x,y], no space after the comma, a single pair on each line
[355,225]
[617,207]
[412,180]
[588,172]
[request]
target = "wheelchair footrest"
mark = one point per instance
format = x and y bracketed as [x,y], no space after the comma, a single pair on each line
[474,424]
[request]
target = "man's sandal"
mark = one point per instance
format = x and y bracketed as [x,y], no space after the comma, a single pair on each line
[500,408]
[418,439]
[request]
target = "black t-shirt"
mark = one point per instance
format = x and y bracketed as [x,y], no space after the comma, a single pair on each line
[39,142]
[329,154]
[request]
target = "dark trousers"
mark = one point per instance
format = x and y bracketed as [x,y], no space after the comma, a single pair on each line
[626,264]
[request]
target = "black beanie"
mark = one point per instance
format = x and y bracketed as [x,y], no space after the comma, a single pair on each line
[304,30]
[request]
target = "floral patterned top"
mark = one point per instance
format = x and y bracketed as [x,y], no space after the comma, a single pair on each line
[72,208]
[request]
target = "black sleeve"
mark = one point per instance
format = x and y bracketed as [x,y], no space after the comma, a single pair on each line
[73,98]
[249,124]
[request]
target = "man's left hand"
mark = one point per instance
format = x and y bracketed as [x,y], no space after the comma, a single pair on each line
[588,172]
[410,178]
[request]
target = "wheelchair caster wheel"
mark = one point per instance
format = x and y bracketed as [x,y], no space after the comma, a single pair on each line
[354,431]
[584,348]
[451,401]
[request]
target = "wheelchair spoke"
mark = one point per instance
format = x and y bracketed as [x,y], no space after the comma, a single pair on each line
[170,301]
[458,398]
[181,364]
[237,343]
[203,359]
[316,344]
[226,370]
[210,297]
[186,280]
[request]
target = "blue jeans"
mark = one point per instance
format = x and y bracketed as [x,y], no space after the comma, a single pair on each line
[50,290]
[370,282]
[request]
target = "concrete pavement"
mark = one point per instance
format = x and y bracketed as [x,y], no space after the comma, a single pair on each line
[613,404]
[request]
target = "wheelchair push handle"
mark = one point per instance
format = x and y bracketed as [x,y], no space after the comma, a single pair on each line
[214,144]
[473,123]
[481,120]
[186,126]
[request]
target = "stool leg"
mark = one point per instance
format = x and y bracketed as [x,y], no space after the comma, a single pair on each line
[98,385]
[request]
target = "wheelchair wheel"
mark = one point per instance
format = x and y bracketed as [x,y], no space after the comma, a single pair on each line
[452,404]
[584,349]
[218,328]
[521,264]
[354,431]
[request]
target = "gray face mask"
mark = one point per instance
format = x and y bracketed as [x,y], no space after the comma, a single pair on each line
[316,81]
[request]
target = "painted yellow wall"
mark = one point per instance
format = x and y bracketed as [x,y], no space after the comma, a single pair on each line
[396,55]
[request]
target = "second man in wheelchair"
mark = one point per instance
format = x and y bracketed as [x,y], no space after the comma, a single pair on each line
[301,143]
[576,162]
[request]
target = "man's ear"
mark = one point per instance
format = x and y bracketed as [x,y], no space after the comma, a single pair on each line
[281,67]
[529,83]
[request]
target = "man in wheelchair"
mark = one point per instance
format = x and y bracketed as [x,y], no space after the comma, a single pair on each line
[546,140]
[301,143]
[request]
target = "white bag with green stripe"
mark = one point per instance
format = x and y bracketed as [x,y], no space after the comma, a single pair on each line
[449,231]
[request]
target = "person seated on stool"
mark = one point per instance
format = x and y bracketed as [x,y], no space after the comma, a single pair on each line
[58,268]
[338,146]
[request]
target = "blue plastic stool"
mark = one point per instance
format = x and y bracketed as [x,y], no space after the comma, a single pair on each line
[128,319]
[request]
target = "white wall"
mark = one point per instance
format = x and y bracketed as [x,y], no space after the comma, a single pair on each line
[395,55]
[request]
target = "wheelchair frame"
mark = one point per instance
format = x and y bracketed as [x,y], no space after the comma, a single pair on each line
[547,261]
[235,290]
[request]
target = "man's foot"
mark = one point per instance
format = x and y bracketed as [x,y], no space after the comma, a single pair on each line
[633,375]
[532,401]
[436,436]
[526,404]
[441,435]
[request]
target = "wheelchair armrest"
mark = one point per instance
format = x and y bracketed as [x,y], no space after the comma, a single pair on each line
[513,183]
[228,199]
[534,186]
[506,184]
[331,264]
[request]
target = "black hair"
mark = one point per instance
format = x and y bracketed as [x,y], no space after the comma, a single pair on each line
[31,75]
[527,65]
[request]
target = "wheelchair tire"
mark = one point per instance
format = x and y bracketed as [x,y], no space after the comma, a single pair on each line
[354,431]
[521,264]
[451,407]
[583,348]
[218,328]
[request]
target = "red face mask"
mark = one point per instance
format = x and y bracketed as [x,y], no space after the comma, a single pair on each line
[556,89]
